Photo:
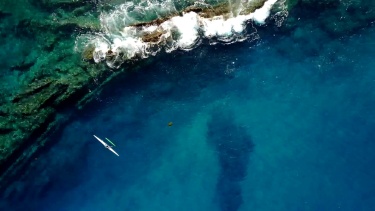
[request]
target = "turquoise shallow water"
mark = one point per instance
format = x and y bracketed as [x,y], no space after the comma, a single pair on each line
[254,128]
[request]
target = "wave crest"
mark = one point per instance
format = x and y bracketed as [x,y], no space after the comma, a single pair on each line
[139,31]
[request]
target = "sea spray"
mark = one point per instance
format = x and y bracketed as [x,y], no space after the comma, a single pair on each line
[136,31]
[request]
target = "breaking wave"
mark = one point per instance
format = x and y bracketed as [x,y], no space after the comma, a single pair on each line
[138,30]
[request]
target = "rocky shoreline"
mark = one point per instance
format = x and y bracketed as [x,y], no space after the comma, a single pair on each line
[55,79]
[48,79]
[51,81]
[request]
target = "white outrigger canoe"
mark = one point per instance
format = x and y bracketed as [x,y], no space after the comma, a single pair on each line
[106,145]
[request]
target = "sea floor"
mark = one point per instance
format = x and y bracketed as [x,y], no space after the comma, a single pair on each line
[254,128]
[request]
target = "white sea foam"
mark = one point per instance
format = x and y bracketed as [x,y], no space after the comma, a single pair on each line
[100,50]
[186,26]
[120,41]
[260,15]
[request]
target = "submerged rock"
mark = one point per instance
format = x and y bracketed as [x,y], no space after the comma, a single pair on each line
[49,76]
[233,146]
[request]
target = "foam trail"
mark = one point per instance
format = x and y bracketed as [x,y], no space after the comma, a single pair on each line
[126,36]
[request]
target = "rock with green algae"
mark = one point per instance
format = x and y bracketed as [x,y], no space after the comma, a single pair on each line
[32,113]
[51,76]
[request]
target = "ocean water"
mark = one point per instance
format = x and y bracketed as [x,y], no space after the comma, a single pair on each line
[283,123]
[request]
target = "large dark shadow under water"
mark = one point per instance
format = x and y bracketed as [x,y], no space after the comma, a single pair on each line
[233,146]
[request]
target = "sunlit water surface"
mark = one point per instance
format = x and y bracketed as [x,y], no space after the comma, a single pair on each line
[254,128]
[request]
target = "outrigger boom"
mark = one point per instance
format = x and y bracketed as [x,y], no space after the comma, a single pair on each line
[106,145]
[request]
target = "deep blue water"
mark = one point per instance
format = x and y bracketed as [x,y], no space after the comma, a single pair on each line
[254,128]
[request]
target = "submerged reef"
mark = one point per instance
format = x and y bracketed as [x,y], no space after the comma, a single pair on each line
[41,74]
[233,146]
[52,52]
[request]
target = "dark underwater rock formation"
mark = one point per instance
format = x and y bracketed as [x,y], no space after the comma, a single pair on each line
[233,146]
